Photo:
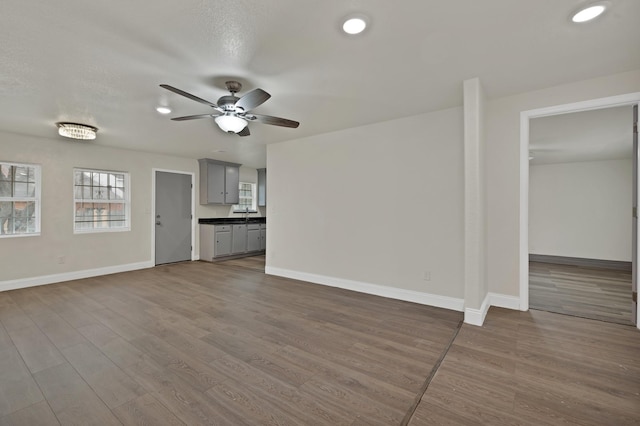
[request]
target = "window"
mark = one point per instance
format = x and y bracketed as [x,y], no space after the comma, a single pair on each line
[247,197]
[19,199]
[101,201]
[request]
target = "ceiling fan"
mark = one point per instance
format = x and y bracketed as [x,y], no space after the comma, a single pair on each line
[232,114]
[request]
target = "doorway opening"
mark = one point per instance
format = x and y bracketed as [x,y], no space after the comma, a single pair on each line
[580,199]
[560,267]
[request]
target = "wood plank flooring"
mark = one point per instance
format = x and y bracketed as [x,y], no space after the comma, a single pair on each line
[536,368]
[212,343]
[208,343]
[255,263]
[595,293]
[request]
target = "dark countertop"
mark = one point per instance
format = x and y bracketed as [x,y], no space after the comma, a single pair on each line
[230,220]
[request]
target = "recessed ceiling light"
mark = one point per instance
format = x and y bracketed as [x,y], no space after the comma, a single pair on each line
[163,110]
[590,12]
[354,25]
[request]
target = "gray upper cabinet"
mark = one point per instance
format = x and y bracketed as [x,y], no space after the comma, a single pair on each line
[262,187]
[219,182]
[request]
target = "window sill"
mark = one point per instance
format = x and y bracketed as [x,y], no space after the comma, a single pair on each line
[32,234]
[100,231]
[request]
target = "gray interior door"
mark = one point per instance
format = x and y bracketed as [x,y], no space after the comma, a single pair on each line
[173,217]
[634,275]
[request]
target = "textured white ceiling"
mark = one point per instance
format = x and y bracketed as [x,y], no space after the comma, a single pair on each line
[100,63]
[603,134]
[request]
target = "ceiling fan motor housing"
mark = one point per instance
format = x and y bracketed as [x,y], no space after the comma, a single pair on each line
[228,102]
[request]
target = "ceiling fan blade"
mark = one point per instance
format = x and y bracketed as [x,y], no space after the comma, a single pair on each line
[193,117]
[244,132]
[276,121]
[190,96]
[252,99]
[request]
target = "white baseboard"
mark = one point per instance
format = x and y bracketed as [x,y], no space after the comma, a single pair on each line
[476,316]
[74,275]
[504,301]
[375,289]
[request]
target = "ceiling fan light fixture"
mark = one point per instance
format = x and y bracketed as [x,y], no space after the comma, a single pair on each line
[231,123]
[163,109]
[77,131]
[590,12]
[354,25]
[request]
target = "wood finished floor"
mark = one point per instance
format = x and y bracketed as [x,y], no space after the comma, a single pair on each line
[536,368]
[595,293]
[254,263]
[201,343]
[198,343]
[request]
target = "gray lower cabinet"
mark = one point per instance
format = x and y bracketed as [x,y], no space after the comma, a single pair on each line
[226,240]
[263,236]
[253,237]
[215,241]
[222,241]
[239,239]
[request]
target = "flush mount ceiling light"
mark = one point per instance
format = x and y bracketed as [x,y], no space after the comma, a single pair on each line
[77,131]
[590,12]
[163,109]
[230,122]
[354,24]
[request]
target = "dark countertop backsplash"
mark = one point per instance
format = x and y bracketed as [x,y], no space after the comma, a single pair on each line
[230,220]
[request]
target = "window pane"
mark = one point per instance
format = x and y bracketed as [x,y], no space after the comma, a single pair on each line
[5,172]
[116,211]
[118,194]
[101,188]
[98,193]
[31,225]
[5,188]
[21,189]
[23,212]
[18,214]
[21,174]
[6,217]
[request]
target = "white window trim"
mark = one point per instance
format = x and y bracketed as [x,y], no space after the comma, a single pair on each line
[37,199]
[126,200]
[254,198]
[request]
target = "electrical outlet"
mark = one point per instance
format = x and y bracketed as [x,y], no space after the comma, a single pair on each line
[61,260]
[426,276]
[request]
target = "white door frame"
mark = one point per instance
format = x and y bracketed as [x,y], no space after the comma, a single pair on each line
[525,116]
[153,211]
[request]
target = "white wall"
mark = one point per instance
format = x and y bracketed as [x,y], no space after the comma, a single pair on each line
[476,289]
[503,167]
[29,259]
[581,209]
[24,258]
[379,204]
